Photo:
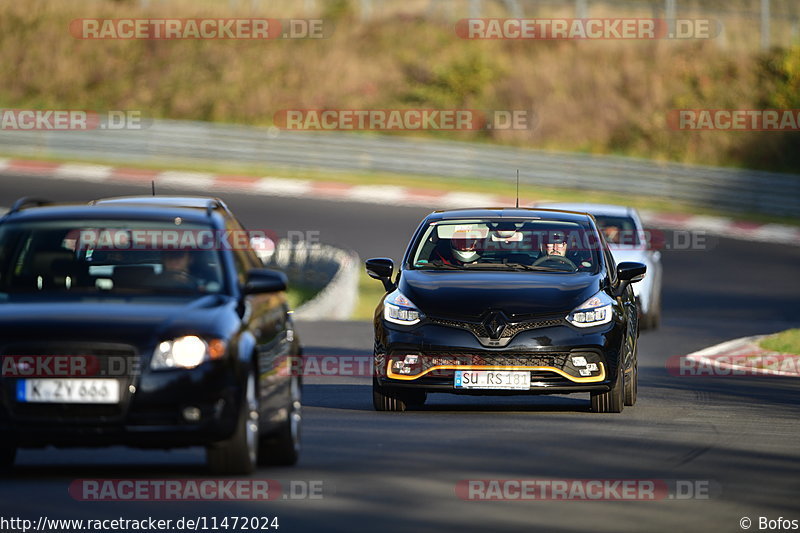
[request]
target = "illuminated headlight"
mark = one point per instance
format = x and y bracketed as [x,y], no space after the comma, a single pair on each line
[400,310]
[595,311]
[186,352]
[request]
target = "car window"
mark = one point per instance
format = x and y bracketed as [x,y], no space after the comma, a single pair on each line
[618,229]
[244,258]
[504,244]
[130,257]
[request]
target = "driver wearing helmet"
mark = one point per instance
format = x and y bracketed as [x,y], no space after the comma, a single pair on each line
[465,248]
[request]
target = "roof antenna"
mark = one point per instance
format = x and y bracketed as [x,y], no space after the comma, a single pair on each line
[153,186]
[517,188]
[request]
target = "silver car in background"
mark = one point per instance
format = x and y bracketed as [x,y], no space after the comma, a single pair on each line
[628,241]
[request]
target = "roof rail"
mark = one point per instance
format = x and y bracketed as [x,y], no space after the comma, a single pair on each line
[27,201]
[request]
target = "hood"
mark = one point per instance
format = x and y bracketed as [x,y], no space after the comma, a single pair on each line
[469,294]
[139,322]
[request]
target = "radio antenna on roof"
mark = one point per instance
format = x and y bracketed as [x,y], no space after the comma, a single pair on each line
[517,188]
[153,186]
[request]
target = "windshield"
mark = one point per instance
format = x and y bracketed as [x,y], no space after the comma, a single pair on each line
[137,258]
[504,244]
[620,230]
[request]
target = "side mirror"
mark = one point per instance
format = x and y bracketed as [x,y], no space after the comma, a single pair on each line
[631,272]
[261,281]
[381,268]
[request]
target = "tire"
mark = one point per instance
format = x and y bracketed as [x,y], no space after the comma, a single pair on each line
[388,399]
[612,401]
[283,448]
[655,315]
[238,454]
[8,453]
[632,384]
[653,318]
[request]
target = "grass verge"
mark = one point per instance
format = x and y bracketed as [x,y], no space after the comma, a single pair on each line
[784,342]
[298,295]
[370,291]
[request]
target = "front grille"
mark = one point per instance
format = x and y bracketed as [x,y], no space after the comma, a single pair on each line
[513,328]
[465,358]
[117,361]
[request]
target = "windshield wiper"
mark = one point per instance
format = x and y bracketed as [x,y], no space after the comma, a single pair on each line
[440,265]
[539,268]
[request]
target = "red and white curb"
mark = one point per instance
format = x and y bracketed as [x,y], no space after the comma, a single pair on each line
[392,195]
[720,356]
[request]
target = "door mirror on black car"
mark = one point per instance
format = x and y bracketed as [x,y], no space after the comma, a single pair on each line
[381,268]
[261,280]
[631,272]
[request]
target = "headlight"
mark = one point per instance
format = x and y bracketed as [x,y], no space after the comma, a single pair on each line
[400,310]
[595,311]
[186,352]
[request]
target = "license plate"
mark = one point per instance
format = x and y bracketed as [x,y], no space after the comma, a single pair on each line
[493,379]
[57,390]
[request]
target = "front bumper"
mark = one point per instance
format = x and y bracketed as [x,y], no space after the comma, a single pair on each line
[150,412]
[558,357]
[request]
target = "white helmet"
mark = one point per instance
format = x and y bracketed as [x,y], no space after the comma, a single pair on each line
[464,249]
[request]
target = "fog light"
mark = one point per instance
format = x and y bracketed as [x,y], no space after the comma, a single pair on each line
[191,414]
[579,360]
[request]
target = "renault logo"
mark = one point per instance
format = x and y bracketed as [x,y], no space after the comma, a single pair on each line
[495,324]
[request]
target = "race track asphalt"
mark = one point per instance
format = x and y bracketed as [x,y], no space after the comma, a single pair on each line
[398,472]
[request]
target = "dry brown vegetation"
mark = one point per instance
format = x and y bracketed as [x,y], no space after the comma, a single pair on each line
[601,97]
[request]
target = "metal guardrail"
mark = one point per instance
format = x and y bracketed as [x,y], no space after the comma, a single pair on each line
[332,272]
[173,142]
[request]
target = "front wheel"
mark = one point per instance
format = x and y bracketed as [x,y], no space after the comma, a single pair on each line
[283,448]
[632,384]
[611,401]
[8,453]
[238,454]
[388,399]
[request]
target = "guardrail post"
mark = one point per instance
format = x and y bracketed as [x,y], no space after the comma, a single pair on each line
[514,9]
[581,9]
[670,13]
[475,8]
[765,23]
[366,10]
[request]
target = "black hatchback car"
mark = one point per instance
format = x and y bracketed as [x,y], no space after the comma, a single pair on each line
[506,301]
[148,322]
